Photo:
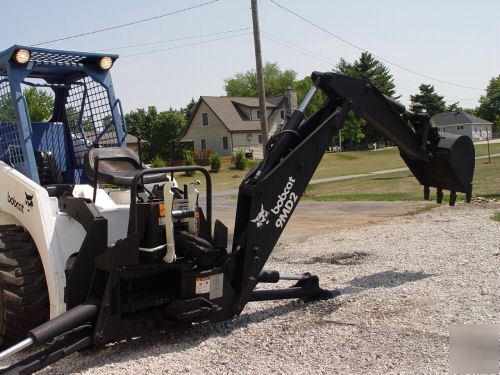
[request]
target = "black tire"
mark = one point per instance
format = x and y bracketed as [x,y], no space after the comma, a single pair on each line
[24,300]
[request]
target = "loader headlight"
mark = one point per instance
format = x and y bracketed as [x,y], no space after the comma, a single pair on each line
[22,56]
[105,63]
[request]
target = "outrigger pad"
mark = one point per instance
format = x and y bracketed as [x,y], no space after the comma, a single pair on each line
[117,166]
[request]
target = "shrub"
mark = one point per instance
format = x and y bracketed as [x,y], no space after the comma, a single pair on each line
[157,162]
[214,163]
[188,160]
[239,160]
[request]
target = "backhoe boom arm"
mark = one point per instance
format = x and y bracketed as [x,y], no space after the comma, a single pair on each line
[269,194]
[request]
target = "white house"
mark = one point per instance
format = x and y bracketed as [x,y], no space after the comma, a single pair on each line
[460,122]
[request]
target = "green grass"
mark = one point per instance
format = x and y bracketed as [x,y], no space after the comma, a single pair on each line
[347,156]
[332,165]
[402,186]
[496,216]
[364,197]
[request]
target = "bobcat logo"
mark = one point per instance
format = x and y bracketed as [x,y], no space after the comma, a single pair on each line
[261,218]
[28,201]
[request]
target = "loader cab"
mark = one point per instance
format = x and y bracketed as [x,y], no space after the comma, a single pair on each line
[49,146]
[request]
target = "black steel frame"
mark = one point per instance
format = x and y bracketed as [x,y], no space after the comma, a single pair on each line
[267,198]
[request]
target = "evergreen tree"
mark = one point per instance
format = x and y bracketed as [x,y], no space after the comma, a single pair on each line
[366,67]
[187,111]
[427,101]
[453,107]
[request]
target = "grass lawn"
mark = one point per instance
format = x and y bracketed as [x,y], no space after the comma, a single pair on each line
[336,164]
[496,216]
[402,186]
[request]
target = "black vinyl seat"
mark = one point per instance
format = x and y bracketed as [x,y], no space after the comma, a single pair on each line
[117,166]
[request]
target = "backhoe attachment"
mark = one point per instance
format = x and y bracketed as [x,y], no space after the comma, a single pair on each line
[115,289]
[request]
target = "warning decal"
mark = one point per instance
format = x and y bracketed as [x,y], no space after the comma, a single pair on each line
[202,285]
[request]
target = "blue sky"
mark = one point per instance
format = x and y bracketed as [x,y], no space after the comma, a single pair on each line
[452,40]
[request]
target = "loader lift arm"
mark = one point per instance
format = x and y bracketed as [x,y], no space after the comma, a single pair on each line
[267,198]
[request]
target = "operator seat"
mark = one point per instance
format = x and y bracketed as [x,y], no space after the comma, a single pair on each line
[117,166]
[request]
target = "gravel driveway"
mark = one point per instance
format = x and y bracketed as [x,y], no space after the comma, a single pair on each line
[403,283]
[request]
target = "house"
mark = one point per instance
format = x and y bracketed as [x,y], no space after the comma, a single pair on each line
[225,124]
[460,122]
[130,140]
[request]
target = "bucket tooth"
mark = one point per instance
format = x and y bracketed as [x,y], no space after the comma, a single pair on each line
[427,192]
[439,196]
[453,197]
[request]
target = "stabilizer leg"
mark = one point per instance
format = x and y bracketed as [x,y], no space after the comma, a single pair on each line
[307,288]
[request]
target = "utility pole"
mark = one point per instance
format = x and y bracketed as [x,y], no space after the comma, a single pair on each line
[260,76]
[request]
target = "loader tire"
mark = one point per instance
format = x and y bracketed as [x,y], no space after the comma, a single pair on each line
[24,300]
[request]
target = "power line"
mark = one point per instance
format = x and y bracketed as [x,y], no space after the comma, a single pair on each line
[399,87]
[171,40]
[125,24]
[365,50]
[297,48]
[184,45]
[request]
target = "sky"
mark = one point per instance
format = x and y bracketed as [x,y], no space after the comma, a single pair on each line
[457,41]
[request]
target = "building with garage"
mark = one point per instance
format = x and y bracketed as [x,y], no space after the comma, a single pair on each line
[224,124]
[460,122]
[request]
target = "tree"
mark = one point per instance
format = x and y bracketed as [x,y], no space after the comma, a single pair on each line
[40,104]
[158,128]
[427,100]
[453,107]
[489,104]
[187,111]
[140,122]
[366,67]
[7,109]
[302,87]
[167,127]
[353,129]
[276,81]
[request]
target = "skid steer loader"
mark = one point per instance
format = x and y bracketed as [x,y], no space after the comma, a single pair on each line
[93,245]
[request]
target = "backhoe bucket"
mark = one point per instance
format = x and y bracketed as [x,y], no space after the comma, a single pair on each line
[452,166]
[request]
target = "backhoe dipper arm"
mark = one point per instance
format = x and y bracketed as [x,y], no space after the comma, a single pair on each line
[269,194]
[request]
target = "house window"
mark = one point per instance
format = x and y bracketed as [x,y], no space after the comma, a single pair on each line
[461,127]
[260,139]
[225,144]
[204,116]
[203,145]
[282,114]
[258,114]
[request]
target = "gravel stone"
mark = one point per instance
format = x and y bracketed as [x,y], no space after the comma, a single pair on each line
[408,279]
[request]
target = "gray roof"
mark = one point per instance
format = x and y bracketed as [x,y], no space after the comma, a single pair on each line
[226,109]
[457,118]
[235,120]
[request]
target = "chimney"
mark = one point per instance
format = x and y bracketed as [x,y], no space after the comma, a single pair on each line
[291,100]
